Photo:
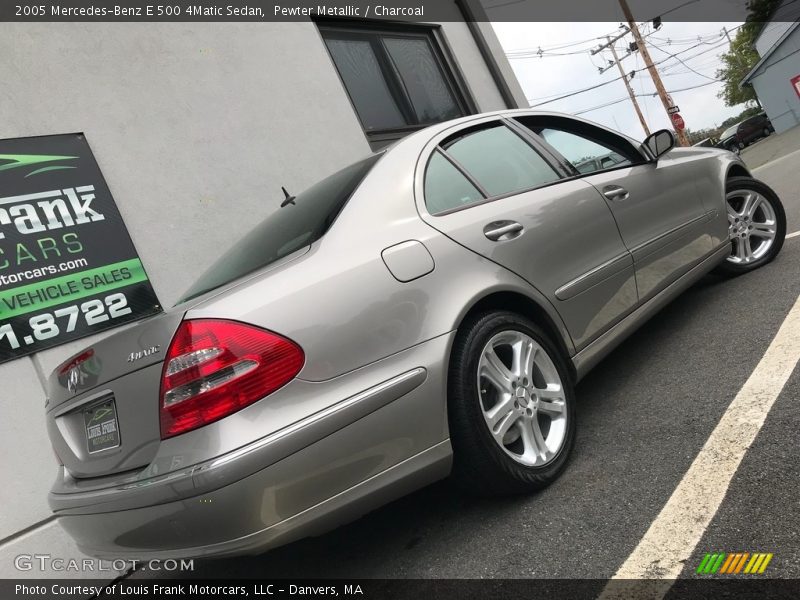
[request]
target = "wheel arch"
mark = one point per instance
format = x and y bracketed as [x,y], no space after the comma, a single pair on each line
[526,307]
[736,170]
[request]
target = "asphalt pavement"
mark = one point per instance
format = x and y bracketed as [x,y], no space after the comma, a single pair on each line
[644,414]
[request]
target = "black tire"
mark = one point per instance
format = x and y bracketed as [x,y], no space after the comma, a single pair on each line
[480,466]
[740,145]
[767,132]
[748,183]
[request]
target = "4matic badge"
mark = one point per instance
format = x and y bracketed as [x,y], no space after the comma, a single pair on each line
[134,356]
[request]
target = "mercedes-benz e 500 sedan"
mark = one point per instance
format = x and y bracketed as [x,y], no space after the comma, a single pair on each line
[424,312]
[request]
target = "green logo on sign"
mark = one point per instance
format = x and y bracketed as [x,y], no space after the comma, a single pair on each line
[100,414]
[18,161]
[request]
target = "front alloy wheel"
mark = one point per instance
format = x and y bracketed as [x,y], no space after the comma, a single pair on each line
[752,225]
[756,225]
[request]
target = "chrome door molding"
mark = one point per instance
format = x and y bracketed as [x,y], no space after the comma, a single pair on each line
[644,249]
[592,354]
[594,276]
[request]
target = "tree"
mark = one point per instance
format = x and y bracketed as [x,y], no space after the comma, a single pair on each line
[742,56]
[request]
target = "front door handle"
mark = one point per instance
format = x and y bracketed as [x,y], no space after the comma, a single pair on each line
[501,231]
[615,193]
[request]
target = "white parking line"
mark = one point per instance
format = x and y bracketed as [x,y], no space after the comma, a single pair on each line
[777,160]
[791,235]
[678,528]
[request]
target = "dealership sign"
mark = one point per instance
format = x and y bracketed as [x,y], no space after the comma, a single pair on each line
[68,267]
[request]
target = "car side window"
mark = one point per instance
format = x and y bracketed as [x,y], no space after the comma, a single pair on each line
[588,149]
[585,155]
[500,160]
[446,188]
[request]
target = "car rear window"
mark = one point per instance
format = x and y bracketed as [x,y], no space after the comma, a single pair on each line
[286,230]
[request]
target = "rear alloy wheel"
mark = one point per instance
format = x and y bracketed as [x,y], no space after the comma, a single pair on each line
[756,225]
[511,406]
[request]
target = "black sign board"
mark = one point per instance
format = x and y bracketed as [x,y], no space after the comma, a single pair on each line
[68,267]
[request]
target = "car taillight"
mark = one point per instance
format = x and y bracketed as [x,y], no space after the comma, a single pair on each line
[214,368]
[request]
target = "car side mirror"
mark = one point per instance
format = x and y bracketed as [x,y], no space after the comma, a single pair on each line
[659,143]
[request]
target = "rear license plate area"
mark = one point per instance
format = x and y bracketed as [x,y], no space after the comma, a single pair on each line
[102,427]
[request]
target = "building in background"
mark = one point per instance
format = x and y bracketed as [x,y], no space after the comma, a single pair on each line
[776,76]
[196,126]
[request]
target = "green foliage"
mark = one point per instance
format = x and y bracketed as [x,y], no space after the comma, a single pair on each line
[742,55]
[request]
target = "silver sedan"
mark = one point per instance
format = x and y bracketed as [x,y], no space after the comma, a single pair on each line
[423,313]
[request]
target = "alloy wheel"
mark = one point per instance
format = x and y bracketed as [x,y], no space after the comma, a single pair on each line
[522,398]
[752,226]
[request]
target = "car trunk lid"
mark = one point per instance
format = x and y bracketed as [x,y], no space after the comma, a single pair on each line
[102,404]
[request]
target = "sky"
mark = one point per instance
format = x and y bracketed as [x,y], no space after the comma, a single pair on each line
[566,65]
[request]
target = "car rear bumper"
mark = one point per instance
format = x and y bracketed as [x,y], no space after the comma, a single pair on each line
[327,468]
[238,518]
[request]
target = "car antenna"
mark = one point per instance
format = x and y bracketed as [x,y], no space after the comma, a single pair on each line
[288,199]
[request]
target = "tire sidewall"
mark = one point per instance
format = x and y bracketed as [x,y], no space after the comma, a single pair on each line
[468,398]
[748,183]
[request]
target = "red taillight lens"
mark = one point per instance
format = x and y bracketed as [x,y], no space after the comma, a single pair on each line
[214,368]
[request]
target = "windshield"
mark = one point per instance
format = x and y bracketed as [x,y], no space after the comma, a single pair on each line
[286,230]
[730,131]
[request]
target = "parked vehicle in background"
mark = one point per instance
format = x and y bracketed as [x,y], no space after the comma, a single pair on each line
[599,163]
[424,312]
[745,133]
[706,143]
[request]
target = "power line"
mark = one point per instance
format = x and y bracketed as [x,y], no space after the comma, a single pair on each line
[692,40]
[544,54]
[576,92]
[594,87]
[542,51]
[643,95]
[683,63]
[547,48]
[599,106]
[675,54]
[699,41]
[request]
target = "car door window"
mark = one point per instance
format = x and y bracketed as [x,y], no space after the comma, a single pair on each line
[446,188]
[587,148]
[500,160]
[584,154]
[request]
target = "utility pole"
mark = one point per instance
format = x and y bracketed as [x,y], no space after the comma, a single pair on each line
[610,44]
[727,35]
[662,93]
[628,87]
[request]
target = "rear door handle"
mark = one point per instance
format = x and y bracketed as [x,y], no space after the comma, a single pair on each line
[615,193]
[500,231]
